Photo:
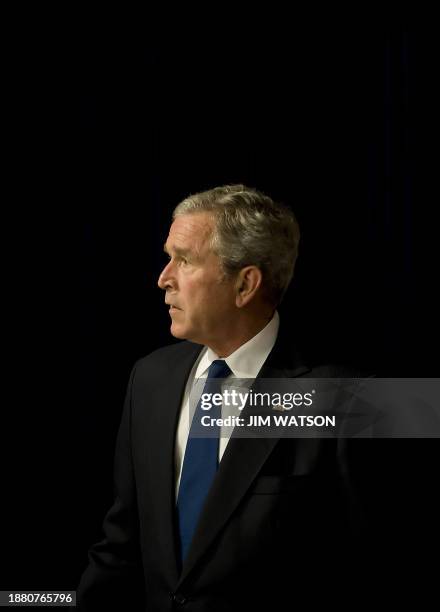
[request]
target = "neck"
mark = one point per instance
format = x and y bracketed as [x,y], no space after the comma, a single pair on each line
[238,335]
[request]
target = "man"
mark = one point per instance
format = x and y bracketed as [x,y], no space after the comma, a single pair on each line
[268,519]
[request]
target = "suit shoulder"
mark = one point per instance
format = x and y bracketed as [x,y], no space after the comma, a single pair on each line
[168,356]
[339,370]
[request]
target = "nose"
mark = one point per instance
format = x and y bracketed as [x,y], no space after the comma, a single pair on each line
[166,278]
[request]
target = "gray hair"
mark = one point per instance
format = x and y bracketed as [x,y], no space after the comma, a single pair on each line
[250,229]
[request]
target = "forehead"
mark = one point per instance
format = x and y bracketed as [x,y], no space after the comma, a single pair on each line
[190,231]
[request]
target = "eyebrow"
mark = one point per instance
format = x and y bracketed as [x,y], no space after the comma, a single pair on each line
[177,251]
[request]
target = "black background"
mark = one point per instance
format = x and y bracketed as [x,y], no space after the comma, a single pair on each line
[118,126]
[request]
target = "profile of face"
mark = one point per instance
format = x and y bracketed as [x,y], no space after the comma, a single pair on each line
[201,299]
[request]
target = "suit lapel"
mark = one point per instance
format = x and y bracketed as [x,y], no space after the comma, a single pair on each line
[241,463]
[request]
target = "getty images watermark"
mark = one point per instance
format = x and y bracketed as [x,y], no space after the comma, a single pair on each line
[237,399]
[316,407]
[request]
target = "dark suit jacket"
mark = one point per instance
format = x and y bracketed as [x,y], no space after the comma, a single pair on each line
[281,523]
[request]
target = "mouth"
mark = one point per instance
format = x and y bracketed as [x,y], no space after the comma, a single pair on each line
[174,308]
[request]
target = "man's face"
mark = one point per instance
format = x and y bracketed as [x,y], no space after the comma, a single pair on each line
[201,299]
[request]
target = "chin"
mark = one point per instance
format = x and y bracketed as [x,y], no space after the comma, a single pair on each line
[184,334]
[178,333]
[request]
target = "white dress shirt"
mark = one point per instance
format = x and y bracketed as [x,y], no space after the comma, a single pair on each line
[245,362]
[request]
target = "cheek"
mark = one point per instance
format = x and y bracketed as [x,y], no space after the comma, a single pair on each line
[221,300]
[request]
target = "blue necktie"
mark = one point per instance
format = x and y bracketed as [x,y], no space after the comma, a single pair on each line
[200,462]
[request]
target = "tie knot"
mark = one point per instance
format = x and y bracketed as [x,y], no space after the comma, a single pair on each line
[219,369]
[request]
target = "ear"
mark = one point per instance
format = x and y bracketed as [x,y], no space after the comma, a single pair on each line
[248,282]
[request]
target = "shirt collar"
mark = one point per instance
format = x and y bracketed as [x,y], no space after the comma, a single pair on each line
[248,359]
